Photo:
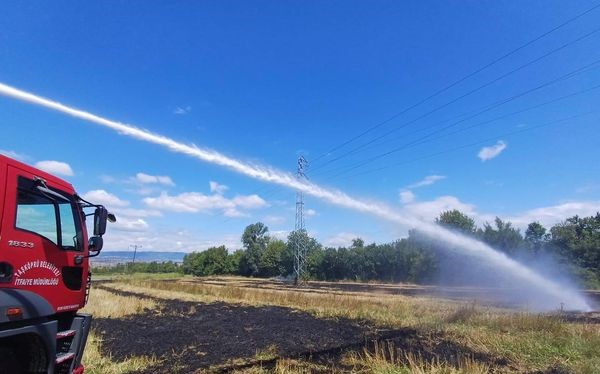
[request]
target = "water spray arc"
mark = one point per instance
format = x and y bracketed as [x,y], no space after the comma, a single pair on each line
[300,245]
[552,293]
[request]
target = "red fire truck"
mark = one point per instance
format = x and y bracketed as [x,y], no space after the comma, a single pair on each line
[44,270]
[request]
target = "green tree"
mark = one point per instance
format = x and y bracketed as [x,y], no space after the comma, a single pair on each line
[577,240]
[457,220]
[234,262]
[273,258]
[255,239]
[503,236]
[535,236]
[213,261]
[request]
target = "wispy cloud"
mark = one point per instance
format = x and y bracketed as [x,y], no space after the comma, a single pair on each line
[488,153]
[13,154]
[196,202]
[55,167]
[427,181]
[342,239]
[407,196]
[154,179]
[217,188]
[182,110]
[431,209]
[310,212]
[104,197]
[130,224]
[550,215]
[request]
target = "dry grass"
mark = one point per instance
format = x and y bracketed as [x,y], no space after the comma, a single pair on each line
[386,358]
[528,341]
[97,363]
[385,310]
[534,342]
[104,304]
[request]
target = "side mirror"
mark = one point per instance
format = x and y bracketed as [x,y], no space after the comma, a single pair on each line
[95,244]
[100,218]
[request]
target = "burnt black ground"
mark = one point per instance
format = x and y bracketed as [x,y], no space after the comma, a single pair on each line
[192,336]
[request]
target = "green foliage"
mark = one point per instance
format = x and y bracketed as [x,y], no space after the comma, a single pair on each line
[503,236]
[272,260]
[574,242]
[457,220]
[536,236]
[577,240]
[213,261]
[139,267]
[255,240]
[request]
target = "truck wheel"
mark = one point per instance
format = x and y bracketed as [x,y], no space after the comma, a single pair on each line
[8,361]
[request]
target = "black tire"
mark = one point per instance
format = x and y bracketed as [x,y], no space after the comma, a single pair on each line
[8,361]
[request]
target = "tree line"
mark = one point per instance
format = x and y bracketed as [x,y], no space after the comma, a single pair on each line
[572,245]
[139,267]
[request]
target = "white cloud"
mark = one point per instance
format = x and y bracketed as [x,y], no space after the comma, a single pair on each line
[136,213]
[310,212]
[182,110]
[233,212]
[154,179]
[55,167]
[488,153]
[429,210]
[342,239]
[550,215]
[547,216]
[168,240]
[13,154]
[407,196]
[104,198]
[129,225]
[427,181]
[279,234]
[217,188]
[196,202]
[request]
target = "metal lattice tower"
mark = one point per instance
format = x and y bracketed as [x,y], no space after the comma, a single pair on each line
[301,245]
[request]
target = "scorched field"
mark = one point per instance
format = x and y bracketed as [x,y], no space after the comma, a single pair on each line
[186,325]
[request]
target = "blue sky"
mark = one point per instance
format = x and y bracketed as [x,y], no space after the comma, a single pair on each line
[267,81]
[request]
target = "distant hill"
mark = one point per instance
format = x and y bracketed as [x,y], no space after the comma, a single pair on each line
[115,257]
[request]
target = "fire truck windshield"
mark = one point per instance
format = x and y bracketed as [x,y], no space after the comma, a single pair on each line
[55,219]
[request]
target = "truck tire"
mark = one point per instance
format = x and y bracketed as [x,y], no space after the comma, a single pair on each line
[8,361]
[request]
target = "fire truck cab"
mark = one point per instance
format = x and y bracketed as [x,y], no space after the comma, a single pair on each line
[44,270]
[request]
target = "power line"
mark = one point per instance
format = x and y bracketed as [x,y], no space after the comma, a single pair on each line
[485,109]
[436,109]
[442,90]
[478,142]
[469,115]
